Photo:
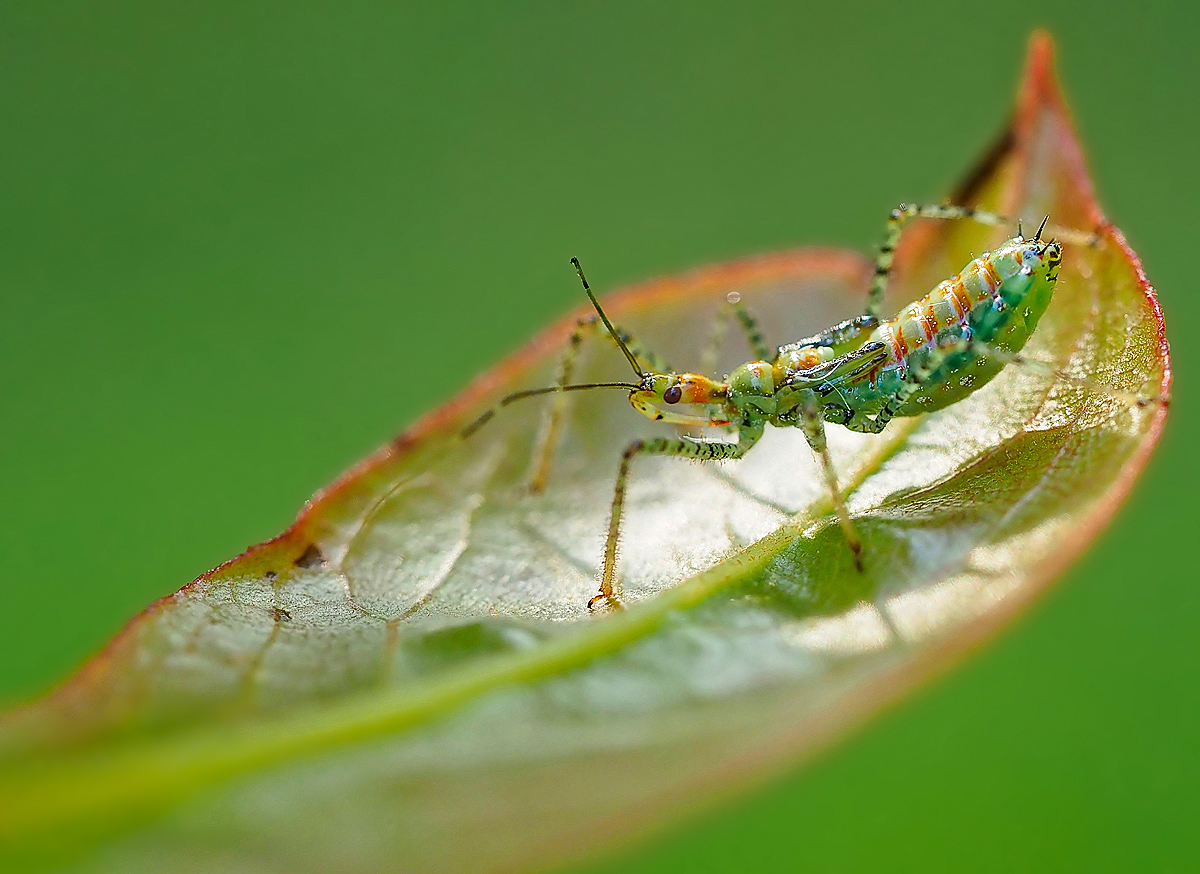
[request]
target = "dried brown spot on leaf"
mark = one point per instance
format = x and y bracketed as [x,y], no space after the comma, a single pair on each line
[311,557]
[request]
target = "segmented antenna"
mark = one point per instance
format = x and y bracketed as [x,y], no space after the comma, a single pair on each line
[534,392]
[633,362]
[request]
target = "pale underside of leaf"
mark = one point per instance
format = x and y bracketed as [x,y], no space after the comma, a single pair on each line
[414,661]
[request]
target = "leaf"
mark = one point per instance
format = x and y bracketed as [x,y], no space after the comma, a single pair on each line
[410,673]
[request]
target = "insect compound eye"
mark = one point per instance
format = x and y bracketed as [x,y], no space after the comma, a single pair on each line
[673,394]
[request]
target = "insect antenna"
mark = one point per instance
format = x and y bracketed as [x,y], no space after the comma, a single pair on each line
[534,392]
[1038,236]
[633,362]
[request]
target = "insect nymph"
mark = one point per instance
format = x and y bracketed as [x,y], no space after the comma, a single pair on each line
[859,374]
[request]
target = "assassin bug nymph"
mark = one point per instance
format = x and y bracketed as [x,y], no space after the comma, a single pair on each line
[860,374]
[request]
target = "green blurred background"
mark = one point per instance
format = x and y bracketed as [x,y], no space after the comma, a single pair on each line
[242,245]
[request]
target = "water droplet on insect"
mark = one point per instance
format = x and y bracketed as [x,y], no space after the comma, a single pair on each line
[733,297]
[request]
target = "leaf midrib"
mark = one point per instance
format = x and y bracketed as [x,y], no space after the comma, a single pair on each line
[140,777]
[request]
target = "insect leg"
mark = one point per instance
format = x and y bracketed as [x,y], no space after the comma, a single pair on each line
[711,355]
[758,345]
[696,449]
[896,221]
[813,422]
[551,429]
[654,362]
[919,374]
[754,337]
[847,333]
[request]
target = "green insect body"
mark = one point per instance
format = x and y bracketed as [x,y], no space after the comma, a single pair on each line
[994,303]
[859,374]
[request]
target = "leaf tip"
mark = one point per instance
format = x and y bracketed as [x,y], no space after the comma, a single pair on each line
[1041,50]
[1040,85]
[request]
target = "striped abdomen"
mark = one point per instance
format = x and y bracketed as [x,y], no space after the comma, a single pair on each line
[999,296]
[976,298]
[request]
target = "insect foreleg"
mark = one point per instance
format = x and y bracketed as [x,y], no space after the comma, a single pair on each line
[551,429]
[699,450]
[813,423]
[896,221]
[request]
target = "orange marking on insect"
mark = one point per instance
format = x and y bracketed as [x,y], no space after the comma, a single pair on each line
[697,389]
[894,338]
[989,270]
[922,313]
[955,305]
[809,358]
[962,300]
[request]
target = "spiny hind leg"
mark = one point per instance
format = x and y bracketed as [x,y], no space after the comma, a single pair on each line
[898,218]
[902,214]
[550,432]
[684,448]
[813,423]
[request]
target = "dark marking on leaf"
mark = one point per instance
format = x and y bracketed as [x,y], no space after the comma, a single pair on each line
[986,168]
[407,439]
[311,557]
[280,615]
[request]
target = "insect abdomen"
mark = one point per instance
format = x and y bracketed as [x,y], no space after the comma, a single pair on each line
[996,296]
[950,303]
